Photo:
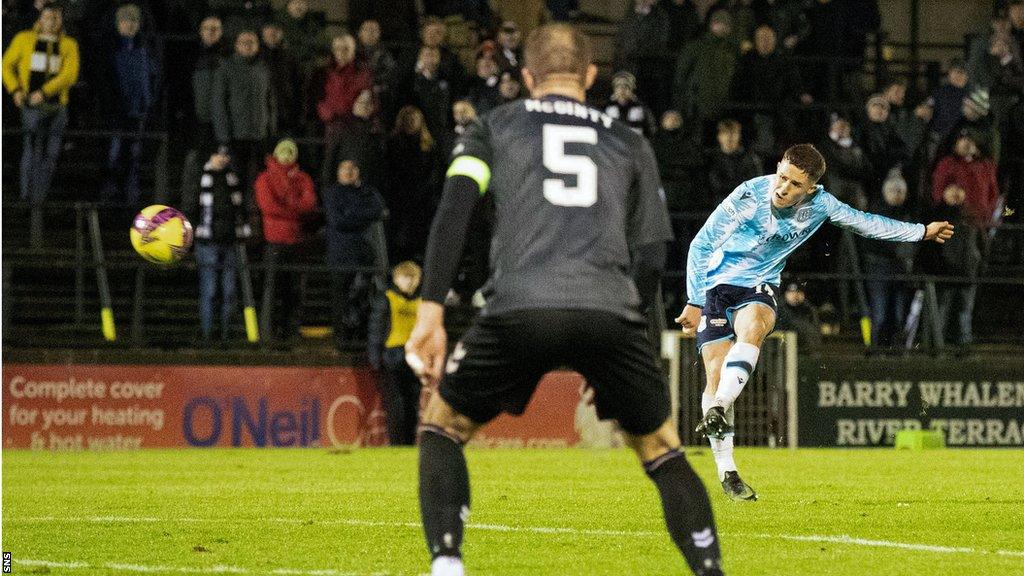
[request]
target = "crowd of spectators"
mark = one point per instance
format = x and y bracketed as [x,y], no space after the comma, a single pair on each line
[376,106]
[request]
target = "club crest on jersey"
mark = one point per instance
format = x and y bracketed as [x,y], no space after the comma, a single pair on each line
[803,214]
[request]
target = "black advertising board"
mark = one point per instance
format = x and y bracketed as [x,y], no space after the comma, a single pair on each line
[864,402]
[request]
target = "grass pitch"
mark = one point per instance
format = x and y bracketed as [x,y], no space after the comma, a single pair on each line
[535,512]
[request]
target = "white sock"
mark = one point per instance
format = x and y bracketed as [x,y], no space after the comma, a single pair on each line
[447,566]
[721,449]
[736,370]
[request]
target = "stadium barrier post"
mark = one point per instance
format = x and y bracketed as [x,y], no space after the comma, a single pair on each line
[160,171]
[792,422]
[670,353]
[850,249]
[79,266]
[269,271]
[99,261]
[252,332]
[935,322]
[5,319]
[138,301]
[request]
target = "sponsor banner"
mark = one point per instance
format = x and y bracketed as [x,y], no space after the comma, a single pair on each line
[102,407]
[856,402]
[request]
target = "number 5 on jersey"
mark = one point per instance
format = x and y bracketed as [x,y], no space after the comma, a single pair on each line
[582,167]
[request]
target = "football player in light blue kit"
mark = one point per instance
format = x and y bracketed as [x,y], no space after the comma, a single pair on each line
[733,273]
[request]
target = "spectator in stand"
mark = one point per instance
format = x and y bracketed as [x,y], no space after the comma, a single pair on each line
[464,115]
[848,166]
[1001,72]
[882,145]
[888,298]
[377,60]
[1011,166]
[399,19]
[350,207]
[1015,12]
[509,55]
[392,317]
[743,20]
[211,54]
[910,124]
[217,210]
[412,171]
[788,18]
[285,79]
[685,23]
[680,165]
[303,34]
[131,79]
[976,120]
[625,106]
[730,165]
[483,87]
[509,88]
[768,78]
[39,68]
[362,139]
[432,94]
[341,82]
[244,111]
[979,72]
[796,314]
[642,48]
[447,72]
[838,32]
[286,198]
[960,256]
[972,174]
[704,74]
[946,103]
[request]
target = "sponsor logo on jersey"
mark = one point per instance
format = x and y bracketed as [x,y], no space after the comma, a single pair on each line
[784,238]
[718,322]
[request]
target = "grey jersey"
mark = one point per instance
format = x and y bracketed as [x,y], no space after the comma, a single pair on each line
[575,193]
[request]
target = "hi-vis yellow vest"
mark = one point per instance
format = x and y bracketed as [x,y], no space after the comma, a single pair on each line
[403,317]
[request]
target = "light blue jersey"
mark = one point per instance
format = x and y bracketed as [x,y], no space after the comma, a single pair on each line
[746,240]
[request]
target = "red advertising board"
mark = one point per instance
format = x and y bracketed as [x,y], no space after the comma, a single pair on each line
[98,407]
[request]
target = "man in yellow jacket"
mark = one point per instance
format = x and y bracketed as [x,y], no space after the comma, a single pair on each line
[39,68]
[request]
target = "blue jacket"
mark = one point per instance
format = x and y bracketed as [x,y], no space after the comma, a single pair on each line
[349,211]
[136,71]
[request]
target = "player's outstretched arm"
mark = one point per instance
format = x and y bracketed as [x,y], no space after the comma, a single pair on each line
[938,232]
[872,225]
[428,343]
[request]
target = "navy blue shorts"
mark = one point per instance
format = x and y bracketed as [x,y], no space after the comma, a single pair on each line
[722,303]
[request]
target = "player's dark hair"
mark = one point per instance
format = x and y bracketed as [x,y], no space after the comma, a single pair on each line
[557,49]
[806,158]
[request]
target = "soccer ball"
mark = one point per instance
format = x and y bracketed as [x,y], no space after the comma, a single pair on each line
[161,234]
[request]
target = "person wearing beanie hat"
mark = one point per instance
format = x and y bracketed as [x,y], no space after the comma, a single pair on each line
[286,197]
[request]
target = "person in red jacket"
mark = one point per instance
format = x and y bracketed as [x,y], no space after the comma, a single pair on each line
[976,176]
[339,85]
[285,196]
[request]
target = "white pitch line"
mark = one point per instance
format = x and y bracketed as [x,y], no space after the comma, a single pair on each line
[841,539]
[217,569]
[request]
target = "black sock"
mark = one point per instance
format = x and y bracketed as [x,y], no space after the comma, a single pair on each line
[444,491]
[687,512]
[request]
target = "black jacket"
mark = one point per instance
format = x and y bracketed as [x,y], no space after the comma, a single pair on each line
[216,207]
